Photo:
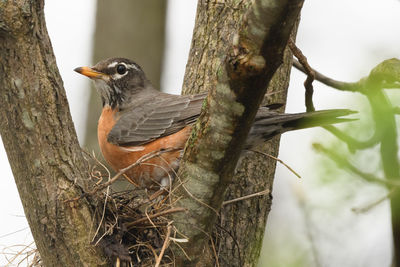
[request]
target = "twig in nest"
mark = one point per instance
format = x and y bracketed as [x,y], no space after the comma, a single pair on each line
[123,171]
[162,213]
[310,75]
[28,250]
[98,177]
[106,232]
[215,252]
[164,247]
[261,193]
[105,200]
[279,160]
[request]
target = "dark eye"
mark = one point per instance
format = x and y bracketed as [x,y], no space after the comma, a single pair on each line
[121,69]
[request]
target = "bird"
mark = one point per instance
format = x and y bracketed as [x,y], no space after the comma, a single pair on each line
[137,119]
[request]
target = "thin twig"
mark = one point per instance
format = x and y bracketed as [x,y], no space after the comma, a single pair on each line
[106,232]
[17,231]
[279,160]
[165,212]
[18,253]
[261,193]
[149,219]
[165,245]
[375,203]
[104,209]
[310,75]
[215,252]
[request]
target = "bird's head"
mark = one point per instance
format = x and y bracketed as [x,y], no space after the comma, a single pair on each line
[116,79]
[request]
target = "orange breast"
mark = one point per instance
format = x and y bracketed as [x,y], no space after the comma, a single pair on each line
[151,171]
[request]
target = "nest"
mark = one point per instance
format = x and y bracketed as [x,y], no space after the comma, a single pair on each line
[134,229]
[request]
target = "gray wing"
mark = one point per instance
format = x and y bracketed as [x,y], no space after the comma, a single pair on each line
[154,118]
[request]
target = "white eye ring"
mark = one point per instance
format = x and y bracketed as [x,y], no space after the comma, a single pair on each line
[121,70]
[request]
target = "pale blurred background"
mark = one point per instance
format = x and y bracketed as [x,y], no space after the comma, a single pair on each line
[311,222]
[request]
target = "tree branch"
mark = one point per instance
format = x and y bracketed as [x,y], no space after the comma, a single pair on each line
[343,86]
[310,75]
[40,140]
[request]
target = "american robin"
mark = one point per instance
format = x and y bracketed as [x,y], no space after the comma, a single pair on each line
[137,119]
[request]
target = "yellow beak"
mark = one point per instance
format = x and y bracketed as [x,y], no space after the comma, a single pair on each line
[91,73]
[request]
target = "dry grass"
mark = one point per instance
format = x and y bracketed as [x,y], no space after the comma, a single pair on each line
[22,255]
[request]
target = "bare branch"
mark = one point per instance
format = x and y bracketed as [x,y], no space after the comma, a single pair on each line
[343,86]
[164,247]
[310,75]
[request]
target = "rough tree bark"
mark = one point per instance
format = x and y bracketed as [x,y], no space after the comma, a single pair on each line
[47,162]
[40,139]
[237,70]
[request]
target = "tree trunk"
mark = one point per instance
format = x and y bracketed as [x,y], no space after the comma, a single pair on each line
[40,139]
[240,227]
[247,219]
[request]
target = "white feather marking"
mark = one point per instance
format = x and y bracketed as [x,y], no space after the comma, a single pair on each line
[132,66]
[112,65]
[117,76]
[132,148]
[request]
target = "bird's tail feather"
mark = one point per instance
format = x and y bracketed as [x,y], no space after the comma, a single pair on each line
[317,118]
[268,124]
